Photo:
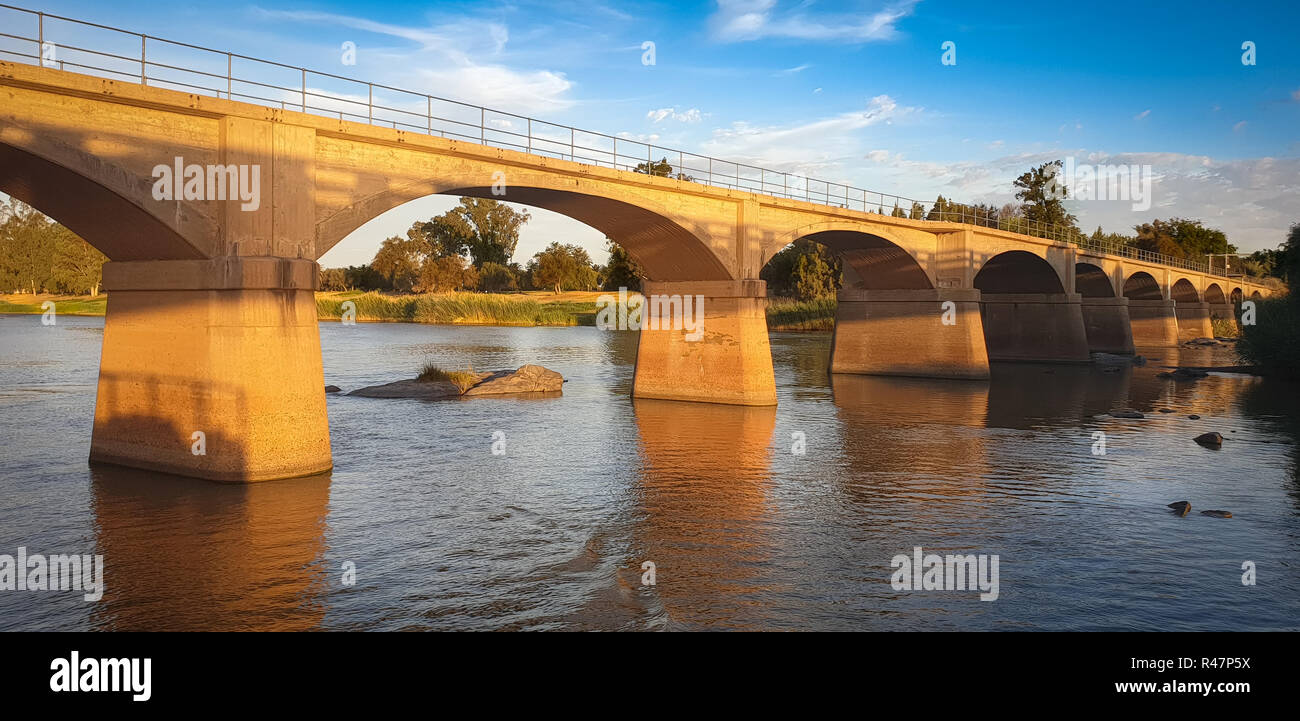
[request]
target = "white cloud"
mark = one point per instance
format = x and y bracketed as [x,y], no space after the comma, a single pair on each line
[1142,115]
[995,144]
[818,146]
[690,116]
[1239,127]
[791,71]
[741,20]
[460,61]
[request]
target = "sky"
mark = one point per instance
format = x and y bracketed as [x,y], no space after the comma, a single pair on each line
[853,92]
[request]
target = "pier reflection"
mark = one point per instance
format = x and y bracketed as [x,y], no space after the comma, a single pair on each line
[184,554]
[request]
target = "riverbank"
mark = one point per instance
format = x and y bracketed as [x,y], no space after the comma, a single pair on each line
[524,308]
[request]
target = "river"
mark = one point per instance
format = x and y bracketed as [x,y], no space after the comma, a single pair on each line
[434,530]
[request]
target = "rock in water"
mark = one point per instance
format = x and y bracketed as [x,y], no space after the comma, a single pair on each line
[332,389]
[410,389]
[1180,507]
[1217,514]
[1126,414]
[528,379]
[1194,417]
[1209,440]
[1184,374]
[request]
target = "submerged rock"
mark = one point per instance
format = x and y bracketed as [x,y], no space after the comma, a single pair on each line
[527,379]
[1183,374]
[1111,359]
[1126,414]
[1194,417]
[1181,507]
[1209,440]
[1217,514]
[332,389]
[1202,341]
[1166,410]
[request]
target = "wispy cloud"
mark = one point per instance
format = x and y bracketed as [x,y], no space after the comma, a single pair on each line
[1239,127]
[791,71]
[743,20]
[460,60]
[1142,114]
[689,116]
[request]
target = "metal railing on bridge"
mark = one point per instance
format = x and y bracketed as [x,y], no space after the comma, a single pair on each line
[106,51]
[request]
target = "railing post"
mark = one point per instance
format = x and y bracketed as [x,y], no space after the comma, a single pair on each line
[482,125]
[304,90]
[428,113]
[40,38]
[370,103]
[572,155]
[710,170]
[230,73]
[144,77]
[530,135]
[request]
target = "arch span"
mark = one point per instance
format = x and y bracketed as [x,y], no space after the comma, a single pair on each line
[1184,292]
[1142,286]
[89,196]
[1214,294]
[1018,271]
[1092,282]
[872,262]
[667,249]
[1236,296]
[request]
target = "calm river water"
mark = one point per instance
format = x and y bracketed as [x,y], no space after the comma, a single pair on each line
[743,532]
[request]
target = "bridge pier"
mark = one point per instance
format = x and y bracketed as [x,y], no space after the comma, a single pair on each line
[1154,322]
[1193,320]
[228,348]
[1107,326]
[1034,327]
[909,333]
[729,362]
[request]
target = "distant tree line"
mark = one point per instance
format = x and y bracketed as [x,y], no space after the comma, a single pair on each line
[37,255]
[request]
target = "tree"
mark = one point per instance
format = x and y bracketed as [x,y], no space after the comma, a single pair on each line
[445,274]
[494,278]
[661,169]
[1182,238]
[783,272]
[1041,191]
[78,265]
[621,271]
[562,267]
[486,230]
[399,261]
[898,212]
[918,211]
[812,278]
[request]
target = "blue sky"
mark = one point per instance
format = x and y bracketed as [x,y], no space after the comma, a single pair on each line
[845,91]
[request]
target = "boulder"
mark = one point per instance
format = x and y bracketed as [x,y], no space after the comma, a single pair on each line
[1217,514]
[1180,507]
[1209,440]
[527,379]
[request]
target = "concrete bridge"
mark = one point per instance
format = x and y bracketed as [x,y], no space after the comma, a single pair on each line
[211,323]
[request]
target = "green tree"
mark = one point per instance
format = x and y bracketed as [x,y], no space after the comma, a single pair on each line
[445,274]
[562,267]
[898,212]
[782,274]
[495,278]
[812,278]
[78,266]
[26,249]
[621,271]
[1041,191]
[399,261]
[485,230]
[661,169]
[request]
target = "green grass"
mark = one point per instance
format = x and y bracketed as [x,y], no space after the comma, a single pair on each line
[791,314]
[459,309]
[464,380]
[1273,341]
[62,306]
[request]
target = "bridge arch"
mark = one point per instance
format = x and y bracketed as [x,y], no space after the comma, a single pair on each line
[871,260]
[1256,295]
[97,199]
[667,248]
[1214,295]
[1142,286]
[1184,292]
[1091,281]
[1018,271]
[1235,296]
